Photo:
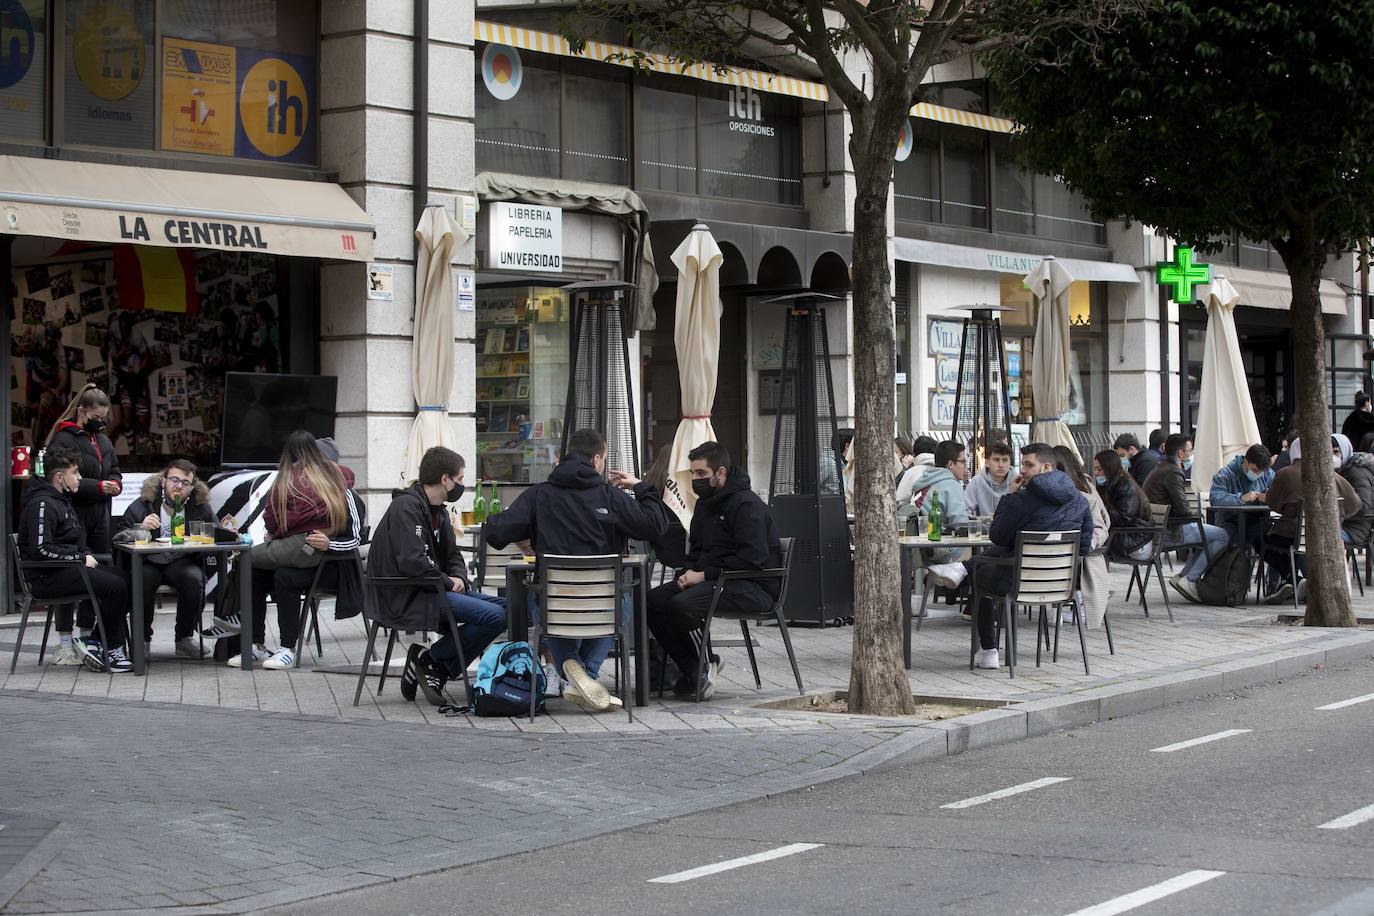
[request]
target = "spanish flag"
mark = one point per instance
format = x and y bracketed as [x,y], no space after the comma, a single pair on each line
[163,279]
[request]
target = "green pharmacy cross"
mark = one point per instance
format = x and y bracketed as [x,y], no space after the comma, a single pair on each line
[1182,274]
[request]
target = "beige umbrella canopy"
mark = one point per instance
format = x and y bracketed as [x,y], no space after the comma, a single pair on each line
[431,373]
[1226,424]
[696,335]
[1049,282]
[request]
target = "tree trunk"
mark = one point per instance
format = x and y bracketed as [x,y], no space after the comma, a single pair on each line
[877,680]
[1328,575]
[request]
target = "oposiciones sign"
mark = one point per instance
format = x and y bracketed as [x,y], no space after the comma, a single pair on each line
[524,237]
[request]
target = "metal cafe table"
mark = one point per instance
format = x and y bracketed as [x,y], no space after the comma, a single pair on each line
[906,546]
[519,577]
[137,554]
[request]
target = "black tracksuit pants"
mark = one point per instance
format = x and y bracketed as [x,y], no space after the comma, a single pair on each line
[111,590]
[183,575]
[676,615]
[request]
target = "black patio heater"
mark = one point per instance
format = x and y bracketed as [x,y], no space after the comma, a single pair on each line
[599,392]
[982,406]
[806,492]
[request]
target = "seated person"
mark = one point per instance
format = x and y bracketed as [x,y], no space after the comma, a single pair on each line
[184,573]
[1358,470]
[944,480]
[51,531]
[1167,486]
[1126,506]
[1137,461]
[1041,499]
[577,513]
[415,539]
[992,483]
[731,529]
[1243,482]
[1284,497]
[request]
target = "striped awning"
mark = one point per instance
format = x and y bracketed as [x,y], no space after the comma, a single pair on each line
[549,43]
[944,115]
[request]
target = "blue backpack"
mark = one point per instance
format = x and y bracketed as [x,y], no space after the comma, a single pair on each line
[506,673]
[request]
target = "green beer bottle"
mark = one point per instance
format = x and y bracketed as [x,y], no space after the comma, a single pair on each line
[493,501]
[479,506]
[178,522]
[936,521]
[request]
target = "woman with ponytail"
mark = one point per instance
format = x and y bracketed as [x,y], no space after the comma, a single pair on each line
[81,429]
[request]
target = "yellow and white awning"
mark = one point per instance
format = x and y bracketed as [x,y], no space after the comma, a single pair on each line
[549,43]
[929,112]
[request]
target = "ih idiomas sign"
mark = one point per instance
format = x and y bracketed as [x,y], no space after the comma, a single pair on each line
[525,237]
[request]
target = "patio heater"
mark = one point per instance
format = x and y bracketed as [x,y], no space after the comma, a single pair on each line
[599,390]
[806,492]
[982,405]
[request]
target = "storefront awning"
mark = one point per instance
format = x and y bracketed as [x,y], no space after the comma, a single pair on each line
[927,111]
[1269,290]
[941,254]
[549,43]
[96,203]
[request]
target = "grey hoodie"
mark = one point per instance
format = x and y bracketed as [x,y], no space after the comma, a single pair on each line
[983,492]
[943,482]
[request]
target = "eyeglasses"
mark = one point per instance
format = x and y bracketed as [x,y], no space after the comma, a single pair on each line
[179,481]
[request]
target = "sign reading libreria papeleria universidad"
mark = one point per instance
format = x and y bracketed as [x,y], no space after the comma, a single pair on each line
[524,237]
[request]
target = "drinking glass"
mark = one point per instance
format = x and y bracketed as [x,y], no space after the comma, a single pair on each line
[469,518]
[142,536]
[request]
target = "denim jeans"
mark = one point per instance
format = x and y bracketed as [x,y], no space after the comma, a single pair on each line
[483,618]
[1187,536]
[591,652]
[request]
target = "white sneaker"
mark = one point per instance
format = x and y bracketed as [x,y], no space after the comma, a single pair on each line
[1185,588]
[189,647]
[947,575]
[597,696]
[260,654]
[66,656]
[280,660]
[221,627]
[987,658]
[554,685]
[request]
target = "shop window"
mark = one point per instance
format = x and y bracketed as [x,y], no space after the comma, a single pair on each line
[23,69]
[1015,189]
[965,178]
[1061,213]
[667,141]
[596,132]
[1257,254]
[520,134]
[750,145]
[109,72]
[522,381]
[917,185]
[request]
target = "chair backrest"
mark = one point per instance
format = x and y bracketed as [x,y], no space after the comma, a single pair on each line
[1159,514]
[20,576]
[492,568]
[580,596]
[1046,565]
[786,544]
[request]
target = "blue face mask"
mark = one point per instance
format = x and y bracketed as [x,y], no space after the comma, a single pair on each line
[1125,463]
[1188,463]
[1252,476]
[1101,480]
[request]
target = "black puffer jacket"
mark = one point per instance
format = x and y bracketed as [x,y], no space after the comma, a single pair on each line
[1142,463]
[1127,509]
[1359,473]
[414,539]
[98,463]
[1050,502]
[150,501]
[577,513]
[733,530]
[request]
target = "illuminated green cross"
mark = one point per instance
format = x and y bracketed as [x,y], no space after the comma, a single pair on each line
[1182,274]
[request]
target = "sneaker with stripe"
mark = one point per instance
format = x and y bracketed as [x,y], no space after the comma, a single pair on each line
[280,660]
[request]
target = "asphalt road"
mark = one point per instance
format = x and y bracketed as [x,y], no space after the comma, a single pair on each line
[1231,825]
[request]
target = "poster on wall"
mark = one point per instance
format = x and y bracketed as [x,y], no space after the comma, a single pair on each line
[276,96]
[23,63]
[198,100]
[107,78]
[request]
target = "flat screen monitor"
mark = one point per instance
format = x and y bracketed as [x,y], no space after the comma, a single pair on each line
[261,410]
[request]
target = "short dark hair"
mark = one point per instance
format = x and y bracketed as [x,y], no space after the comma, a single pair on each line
[1361,399]
[1041,452]
[1000,448]
[58,459]
[437,462]
[924,445]
[1258,456]
[1126,440]
[1176,442]
[181,464]
[1157,438]
[713,453]
[948,451]
[587,443]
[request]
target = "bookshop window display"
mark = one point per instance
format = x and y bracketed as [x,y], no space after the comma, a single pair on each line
[523,344]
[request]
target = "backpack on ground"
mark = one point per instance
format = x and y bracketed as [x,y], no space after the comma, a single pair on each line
[506,673]
[1227,580]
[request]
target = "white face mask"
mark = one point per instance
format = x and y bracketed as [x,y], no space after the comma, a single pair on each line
[1336,461]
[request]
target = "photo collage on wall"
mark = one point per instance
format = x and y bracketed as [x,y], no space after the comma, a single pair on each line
[163,369]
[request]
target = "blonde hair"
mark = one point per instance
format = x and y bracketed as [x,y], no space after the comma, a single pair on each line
[85,399]
[303,457]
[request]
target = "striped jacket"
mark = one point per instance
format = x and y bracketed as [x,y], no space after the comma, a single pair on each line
[51,529]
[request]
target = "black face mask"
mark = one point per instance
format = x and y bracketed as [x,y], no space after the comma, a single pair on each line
[93,426]
[454,493]
[701,486]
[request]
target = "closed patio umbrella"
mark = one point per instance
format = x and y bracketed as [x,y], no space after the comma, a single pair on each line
[431,372]
[696,337]
[1049,282]
[1226,424]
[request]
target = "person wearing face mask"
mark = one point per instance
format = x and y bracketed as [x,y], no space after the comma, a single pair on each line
[1242,482]
[415,538]
[1137,461]
[1166,485]
[577,513]
[1285,497]
[1358,470]
[51,531]
[731,529]
[81,429]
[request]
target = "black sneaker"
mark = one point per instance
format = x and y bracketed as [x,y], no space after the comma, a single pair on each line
[431,679]
[684,689]
[410,677]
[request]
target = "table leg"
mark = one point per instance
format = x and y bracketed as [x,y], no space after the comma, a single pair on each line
[136,613]
[641,637]
[246,609]
[517,606]
[904,556]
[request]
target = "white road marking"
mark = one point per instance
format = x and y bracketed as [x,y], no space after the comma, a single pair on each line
[715,868]
[1344,703]
[1149,894]
[1008,792]
[1353,819]
[1194,742]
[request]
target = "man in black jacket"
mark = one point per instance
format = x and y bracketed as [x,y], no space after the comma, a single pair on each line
[1137,461]
[1167,486]
[415,538]
[731,530]
[577,513]
[51,532]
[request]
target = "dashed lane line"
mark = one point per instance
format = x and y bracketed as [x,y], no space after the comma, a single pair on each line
[1344,703]
[1007,792]
[1353,819]
[1194,742]
[1150,894]
[729,864]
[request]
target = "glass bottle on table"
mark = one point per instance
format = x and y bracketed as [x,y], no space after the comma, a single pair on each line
[493,501]
[178,522]
[479,506]
[936,518]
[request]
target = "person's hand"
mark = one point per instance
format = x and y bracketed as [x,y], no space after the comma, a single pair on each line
[1251,497]
[318,540]
[1016,483]
[110,487]
[458,586]
[90,562]
[229,522]
[691,577]
[624,480]
[151,522]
